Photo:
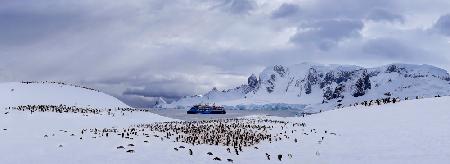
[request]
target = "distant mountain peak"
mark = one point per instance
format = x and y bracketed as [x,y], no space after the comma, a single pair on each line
[322,86]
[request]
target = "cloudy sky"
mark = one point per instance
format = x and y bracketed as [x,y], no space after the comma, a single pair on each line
[139,49]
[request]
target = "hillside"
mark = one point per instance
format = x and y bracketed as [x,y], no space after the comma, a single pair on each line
[314,87]
[15,94]
[413,131]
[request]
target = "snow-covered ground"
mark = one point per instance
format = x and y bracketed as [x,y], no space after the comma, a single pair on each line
[15,93]
[415,131]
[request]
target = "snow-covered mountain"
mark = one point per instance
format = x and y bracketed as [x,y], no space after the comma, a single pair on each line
[314,87]
[160,102]
[15,94]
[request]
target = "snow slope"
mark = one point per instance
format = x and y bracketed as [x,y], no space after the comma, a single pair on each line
[15,94]
[323,87]
[415,131]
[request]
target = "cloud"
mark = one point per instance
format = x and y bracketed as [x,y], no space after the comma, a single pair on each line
[168,89]
[236,6]
[443,25]
[142,49]
[34,24]
[389,48]
[325,34]
[350,9]
[286,10]
[384,15]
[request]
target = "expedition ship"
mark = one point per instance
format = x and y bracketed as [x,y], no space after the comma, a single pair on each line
[206,109]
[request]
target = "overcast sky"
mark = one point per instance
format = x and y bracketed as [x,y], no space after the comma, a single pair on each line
[139,49]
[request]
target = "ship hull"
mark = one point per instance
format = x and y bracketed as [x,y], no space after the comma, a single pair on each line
[206,112]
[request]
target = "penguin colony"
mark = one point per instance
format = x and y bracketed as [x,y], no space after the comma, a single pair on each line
[59,83]
[235,135]
[73,109]
[381,101]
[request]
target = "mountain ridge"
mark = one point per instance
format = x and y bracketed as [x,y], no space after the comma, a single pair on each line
[323,87]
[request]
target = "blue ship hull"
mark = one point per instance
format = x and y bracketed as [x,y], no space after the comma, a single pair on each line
[206,110]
